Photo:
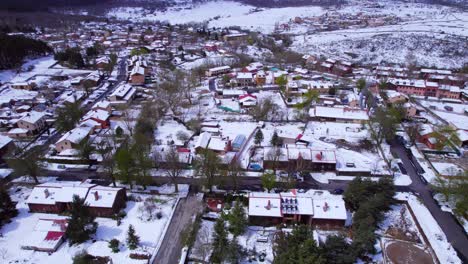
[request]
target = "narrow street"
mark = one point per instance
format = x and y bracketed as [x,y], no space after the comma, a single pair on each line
[171,247]
[452,229]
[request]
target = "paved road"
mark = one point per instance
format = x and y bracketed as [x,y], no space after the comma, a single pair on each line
[452,229]
[171,247]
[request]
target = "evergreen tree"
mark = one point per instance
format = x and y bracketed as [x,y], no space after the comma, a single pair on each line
[114,245]
[337,251]
[14,49]
[7,207]
[68,116]
[276,140]
[361,84]
[81,224]
[298,247]
[220,242]
[234,251]
[258,137]
[132,239]
[237,219]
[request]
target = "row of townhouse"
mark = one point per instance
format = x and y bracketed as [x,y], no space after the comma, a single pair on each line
[424,88]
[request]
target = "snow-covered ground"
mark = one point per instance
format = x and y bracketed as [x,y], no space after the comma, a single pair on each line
[219,14]
[437,239]
[429,173]
[15,233]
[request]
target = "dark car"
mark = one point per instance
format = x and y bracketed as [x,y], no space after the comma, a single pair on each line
[338,191]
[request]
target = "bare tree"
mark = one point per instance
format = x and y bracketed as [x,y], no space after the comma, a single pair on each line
[207,166]
[234,173]
[174,166]
[273,156]
[128,119]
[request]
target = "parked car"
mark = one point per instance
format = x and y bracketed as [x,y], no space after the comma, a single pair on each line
[338,191]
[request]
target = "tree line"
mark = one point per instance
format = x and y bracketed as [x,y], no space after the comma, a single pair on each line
[14,49]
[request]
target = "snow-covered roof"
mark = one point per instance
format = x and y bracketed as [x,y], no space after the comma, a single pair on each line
[265,204]
[408,82]
[220,68]
[138,69]
[329,208]
[445,72]
[32,117]
[244,75]
[339,113]
[101,196]
[44,194]
[203,140]
[323,156]
[317,203]
[76,135]
[4,140]
[123,91]
[47,234]
[65,195]
[101,104]
[217,144]
[97,114]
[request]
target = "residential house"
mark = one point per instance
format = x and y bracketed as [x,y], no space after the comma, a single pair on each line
[105,201]
[102,62]
[72,138]
[123,93]
[217,71]
[338,114]
[314,208]
[137,75]
[103,105]
[33,121]
[260,78]
[57,198]
[426,136]
[47,235]
[243,79]
[96,118]
[23,85]
[248,100]
[6,145]
[235,38]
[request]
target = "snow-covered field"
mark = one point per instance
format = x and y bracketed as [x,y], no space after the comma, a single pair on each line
[219,14]
[424,29]
[15,233]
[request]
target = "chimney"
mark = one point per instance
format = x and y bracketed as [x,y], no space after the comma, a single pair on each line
[325,207]
[96,196]
[268,207]
[46,193]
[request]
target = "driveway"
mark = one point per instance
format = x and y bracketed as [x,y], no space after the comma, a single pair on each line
[171,247]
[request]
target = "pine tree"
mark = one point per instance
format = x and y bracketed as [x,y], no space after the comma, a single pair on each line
[220,242]
[276,140]
[132,239]
[114,245]
[81,224]
[7,207]
[234,251]
[237,219]
[258,137]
